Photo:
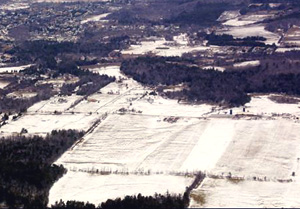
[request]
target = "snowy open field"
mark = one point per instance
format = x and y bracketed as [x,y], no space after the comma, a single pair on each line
[263,105]
[159,138]
[247,64]
[216,193]
[13,69]
[241,26]
[98,188]
[138,142]
[95,18]
[44,123]
[251,30]
[244,20]
[132,143]
[264,148]
[56,103]
[282,50]
[161,47]
[14,6]
[3,84]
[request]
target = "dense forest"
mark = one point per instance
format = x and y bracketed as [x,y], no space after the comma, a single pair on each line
[203,85]
[228,88]
[229,40]
[44,53]
[26,170]
[130,202]
[200,14]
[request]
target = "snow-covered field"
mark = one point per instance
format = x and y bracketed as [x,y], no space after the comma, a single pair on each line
[246,19]
[282,50]
[56,103]
[161,47]
[247,64]
[144,142]
[262,105]
[262,148]
[14,6]
[227,15]
[3,84]
[98,188]
[252,30]
[266,149]
[44,123]
[241,26]
[129,143]
[13,69]
[139,142]
[216,193]
[109,70]
[95,18]
[161,137]
[21,94]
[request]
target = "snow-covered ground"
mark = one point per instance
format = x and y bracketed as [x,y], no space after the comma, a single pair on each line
[13,69]
[98,188]
[264,148]
[96,18]
[159,138]
[44,123]
[21,94]
[247,64]
[218,193]
[161,47]
[246,20]
[113,71]
[252,30]
[14,6]
[139,142]
[3,84]
[157,135]
[56,103]
[263,105]
[282,50]
[227,15]
[241,26]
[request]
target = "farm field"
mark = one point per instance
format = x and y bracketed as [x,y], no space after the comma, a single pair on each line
[75,127]
[155,144]
[262,158]
[253,194]
[161,47]
[13,69]
[161,138]
[251,30]
[42,124]
[241,26]
[98,188]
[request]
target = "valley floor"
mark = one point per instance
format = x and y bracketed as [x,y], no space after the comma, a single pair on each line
[141,143]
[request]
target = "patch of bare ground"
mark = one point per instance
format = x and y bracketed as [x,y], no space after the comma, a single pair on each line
[199,198]
[235,180]
[283,99]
